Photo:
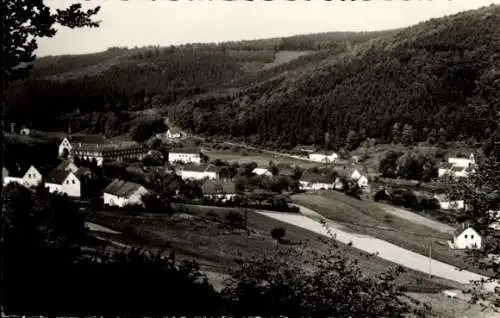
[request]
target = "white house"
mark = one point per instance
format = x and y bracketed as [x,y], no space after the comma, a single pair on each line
[310,181]
[457,167]
[198,172]
[31,178]
[465,237]
[262,171]
[353,174]
[323,158]
[446,204]
[121,193]
[184,155]
[221,190]
[362,181]
[462,162]
[25,131]
[63,182]
[174,133]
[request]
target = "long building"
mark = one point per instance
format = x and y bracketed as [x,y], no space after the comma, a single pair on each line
[100,149]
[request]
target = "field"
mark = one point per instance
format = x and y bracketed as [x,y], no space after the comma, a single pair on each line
[365,217]
[216,245]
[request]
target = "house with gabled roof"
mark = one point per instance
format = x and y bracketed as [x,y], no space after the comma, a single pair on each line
[224,190]
[91,147]
[350,173]
[185,155]
[198,172]
[457,167]
[63,182]
[323,157]
[31,178]
[465,237]
[314,181]
[121,193]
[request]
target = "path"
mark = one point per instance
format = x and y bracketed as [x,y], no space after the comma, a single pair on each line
[382,248]
[415,218]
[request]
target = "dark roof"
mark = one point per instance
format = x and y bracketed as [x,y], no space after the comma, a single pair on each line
[200,168]
[185,150]
[462,227]
[82,171]
[63,165]
[218,187]
[88,139]
[57,176]
[457,169]
[108,147]
[174,130]
[122,188]
[315,178]
[17,171]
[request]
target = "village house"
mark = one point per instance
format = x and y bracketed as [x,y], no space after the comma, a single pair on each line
[25,131]
[174,133]
[312,181]
[446,204]
[121,193]
[184,155]
[63,182]
[323,157]
[457,167]
[465,237]
[262,172]
[349,173]
[224,190]
[100,149]
[31,178]
[198,172]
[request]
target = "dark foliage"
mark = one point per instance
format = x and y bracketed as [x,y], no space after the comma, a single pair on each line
[278,233]
[436,80]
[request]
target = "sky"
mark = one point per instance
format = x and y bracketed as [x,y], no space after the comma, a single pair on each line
[165,22]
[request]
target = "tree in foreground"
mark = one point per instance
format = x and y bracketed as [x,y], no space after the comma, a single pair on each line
[298,284]
[27,20]
[481,195]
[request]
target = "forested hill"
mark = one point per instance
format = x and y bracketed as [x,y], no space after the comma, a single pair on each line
[436,81]
[98,90]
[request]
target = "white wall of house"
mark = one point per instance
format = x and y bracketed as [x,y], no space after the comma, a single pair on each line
[262,171]
[53,187]
[173,135]
[443,172]
[114,200]
[317,157]
[362,181]
[451,205]
[8,180]
[305,185]
[65,144]
[223,196]
[70,186]
[469,238]
[197,175]
[355,175]
[184,157]
[32,177]
[462,162]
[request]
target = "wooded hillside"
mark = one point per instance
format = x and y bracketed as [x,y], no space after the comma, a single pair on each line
[435,81]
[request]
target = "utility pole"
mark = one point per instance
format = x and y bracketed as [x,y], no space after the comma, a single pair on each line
[430,258]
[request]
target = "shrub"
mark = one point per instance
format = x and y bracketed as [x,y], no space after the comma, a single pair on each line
[235,219]
[278,233]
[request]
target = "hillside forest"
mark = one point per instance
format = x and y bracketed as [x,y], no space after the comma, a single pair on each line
[433,82]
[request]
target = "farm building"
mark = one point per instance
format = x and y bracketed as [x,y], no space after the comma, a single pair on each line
[457,167]
[323,157]
[311,181]
[63,182]
[184,155]
[198,172]
[220,190]
[446,204]
[465,237]
[100,149]
[121,193]
[32,177]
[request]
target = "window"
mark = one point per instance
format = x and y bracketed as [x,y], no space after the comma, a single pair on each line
[472,236]
[465,235]
[67,181]
[73,181]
